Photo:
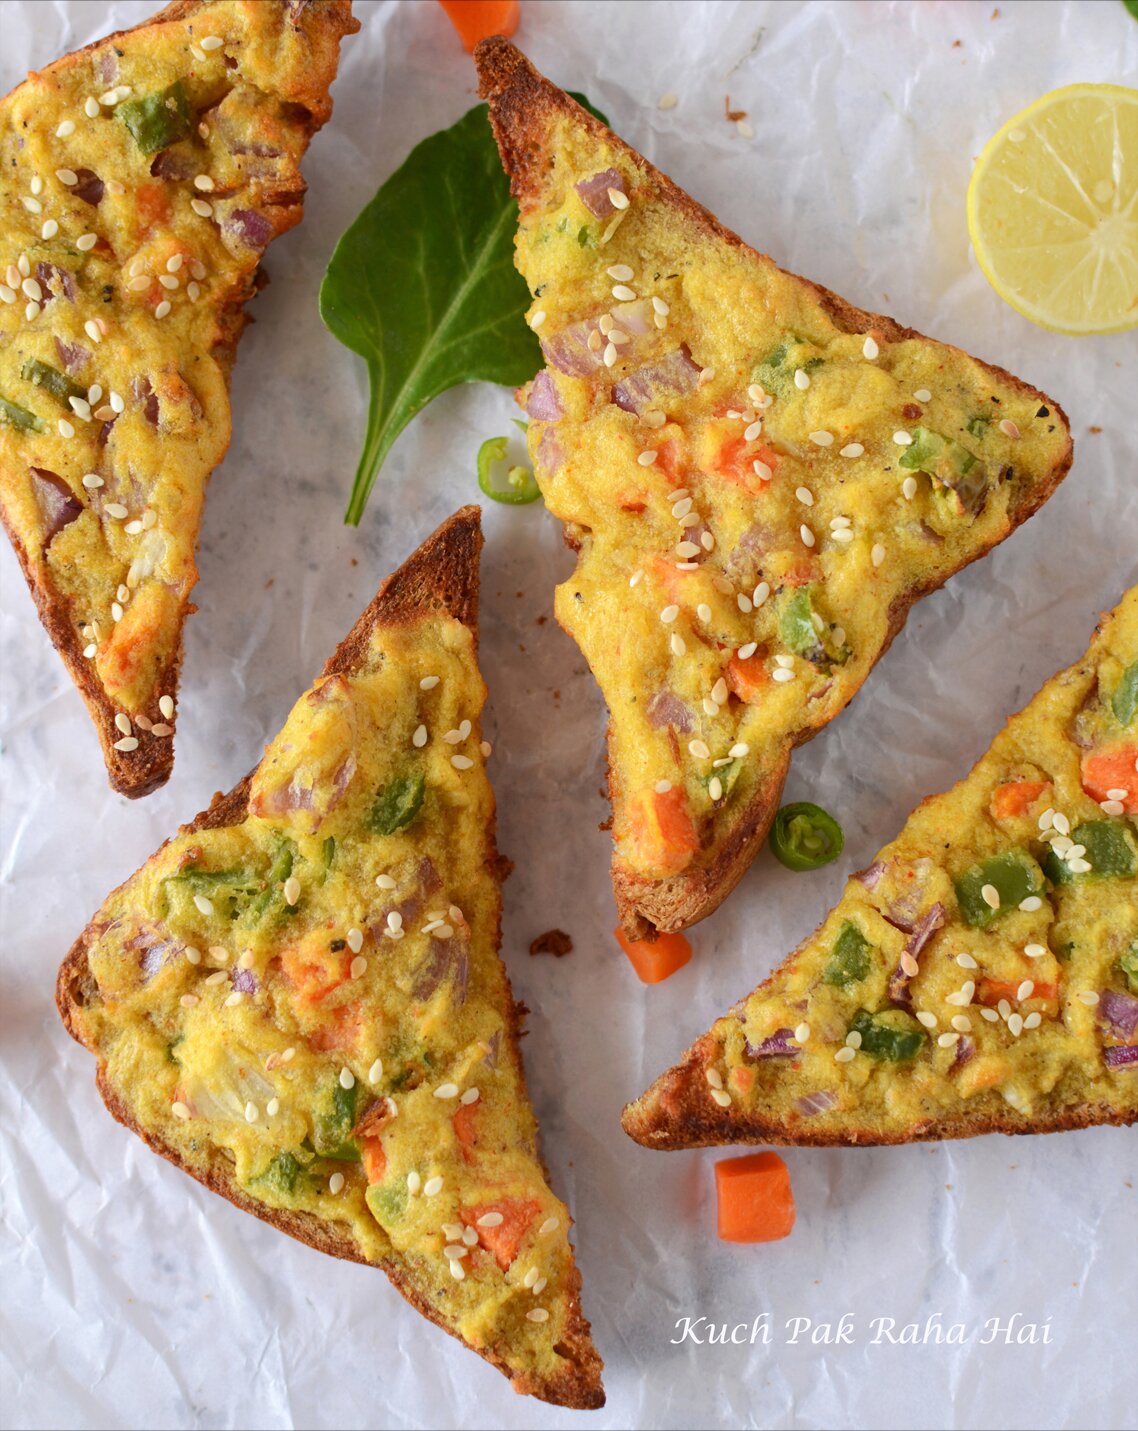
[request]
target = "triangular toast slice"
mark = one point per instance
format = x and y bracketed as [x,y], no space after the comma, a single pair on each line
[141,179]
[979,977]
[298,998]
[759,478]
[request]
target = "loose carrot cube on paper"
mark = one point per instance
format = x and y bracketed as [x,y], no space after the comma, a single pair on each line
[479,19]
[658,960]
[755,1201]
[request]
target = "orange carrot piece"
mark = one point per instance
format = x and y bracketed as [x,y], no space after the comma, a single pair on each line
[662,828]
[465,1131]
[504,1240]
[736,459]
[657,960]
[1115,767]
[1015,798]
[991,991]
[479,19]
[748,679]
[374,1159]
[754,1197]
[313,968]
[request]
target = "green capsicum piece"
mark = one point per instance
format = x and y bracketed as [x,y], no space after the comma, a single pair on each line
[271,895]
[1124,702]
[332,1126]
[1111,852]
[1013,875]
[891,1036]
[156,121]
[1129,966]
[13,415]
[388,1201]
[397,803]
[282,1175]
[849,960]
[43,375]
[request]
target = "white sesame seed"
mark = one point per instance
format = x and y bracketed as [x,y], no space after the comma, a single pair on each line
[909,965]
[752,432]
[991,1015]
[1061,823]
[7,295]
[355,940]
[966,961]
[805,496]
[188,1001]
[646,458]
[946,1040]
[24,265]
[801,379]
[877,554]
[923,395]
[50,229]
[169,281]
[909,488]
[806,534]
[127,744]
[822,439]
[161,730]
[204,183]
[902,438]
[93,331]
[1087,996]
[1003,1008]
[32,289]
[162,309]
[447,1090]
[1079,866]
[211,42]
[721,1096]
[870,349]
[610,355]
[336,1183]
[662,787]
[234,999]
[1033,1020]
[853,1039]
[1031,904]
[719,691]
[743,601]
[1008,427]
[252,1112]
[31,311]
[1015,1025]
[961,1023]
[218,978]
[699,749]
[180,1110]
[715,787]
[1112,807]
[433,1186]
[33,206]
[618,199]
[91,107]
[347,1078]
[845,1054]
[782,675]
[123,723]
[116,402]
[394,919]
[926,1018]
[384,881]
[626,295]
[539,1314]
[461,762]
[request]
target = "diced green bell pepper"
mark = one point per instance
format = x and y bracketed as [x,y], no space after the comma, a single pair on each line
[331,1134]
[13,415]
[1112,853]
[849,960]
[397,803]
[958,476]
[270,899]
[1124,702]
[388,1201]
[891,1036]
[1129,966]
[776,371]
[43,375]
[1013,875]
[282,1174]
[156,121]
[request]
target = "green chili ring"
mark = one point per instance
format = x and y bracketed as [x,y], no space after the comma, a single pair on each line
[805,837]
[522,486]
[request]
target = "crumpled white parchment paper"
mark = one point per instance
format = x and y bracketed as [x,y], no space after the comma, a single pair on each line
[132,1297]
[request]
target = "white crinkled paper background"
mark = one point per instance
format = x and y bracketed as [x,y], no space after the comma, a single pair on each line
[132,1297]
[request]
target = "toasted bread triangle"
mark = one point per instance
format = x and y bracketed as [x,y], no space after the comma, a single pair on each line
[421,988]
[760,480]
[1014,896]
[139,230]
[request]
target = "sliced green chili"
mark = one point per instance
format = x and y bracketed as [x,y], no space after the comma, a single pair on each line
[12,414]
[521,485]
[891,1036]
[1124,702]
[805,837]
[397,803]
[849,960]
[43,375]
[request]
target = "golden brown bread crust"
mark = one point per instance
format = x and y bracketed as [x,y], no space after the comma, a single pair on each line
[440,577]
[139,772]
[521,101]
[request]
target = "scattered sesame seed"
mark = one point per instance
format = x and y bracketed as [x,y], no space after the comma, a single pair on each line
[188,1001]
[806,534]
[853,1039]
[86,242]
[123,723]
[218,978]
[530,1278]
[877,554]
[845,1054]
[822,439]
[909,965]
[667,101]
[961,1023]
[1087,996]
[923,395]
[461,762]
[33,206]
[761,470]
[93,331]
[623,293]
[782,675]
[291,890]
[926,1018]
[1008,427]
[162,309]
[447,1090]
[161,730]
[663,786]
[805,496]
[752,432]
[127,744]
[1117,793]
[721,1096]
[699,749]
[966,961]
[384,881]
[646,458]
[715,786]
[234,999]
[180,1110]
[946,1040]
[204,183]
[394,919]
[355,940]
[1079,866]
[743,601]
[719,691]
[1031,904]
[7,294]
[211,42]
[870,349]
[1015,1025]
[433,1186]
[539,1314]
[31,311]
[991,1015]
[902,438]
[50,229]
[336,1183]
[252,1113]
[618,199]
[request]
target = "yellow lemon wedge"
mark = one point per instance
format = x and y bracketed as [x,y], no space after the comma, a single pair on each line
[1053,210]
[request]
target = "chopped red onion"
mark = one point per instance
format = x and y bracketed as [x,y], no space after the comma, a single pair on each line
[819,1102]
[1123,1055]
[446,959]
[56,282]
[1118,1012]
[670,376]
[870,877]
[594,192]
[777,1046]
[923,931]
[550,453]
[249,227]
[543,403]
[88,186]
[569,351]
[965,1050]
[72,356]
[154,948]
[244,981]
[58,505]
[666,708]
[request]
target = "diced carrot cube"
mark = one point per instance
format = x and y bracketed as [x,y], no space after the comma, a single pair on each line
[754,1197]
[1015,797]
[1115,767]
[749,679]
[656,960]
[662,829]
[374,1159]
[505,1238]
[479,19]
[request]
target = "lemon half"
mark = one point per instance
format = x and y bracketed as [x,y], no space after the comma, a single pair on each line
[1053,210]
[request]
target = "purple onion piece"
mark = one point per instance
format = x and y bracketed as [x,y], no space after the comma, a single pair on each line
[154,949]
[667,709]
[569,350]
[55,282]
[670,376]
[88,186]
[550,453]
[812,1103]
[1123,1055]
[72,356]
[543,402]
[174,165]
[1118,1012]
[777,1046]
[922,932]
[490,1057]
[902,912]
[244,981]
[594,192]
[965,1050]
[430,881]
[870,877]
[143,393]
[445,959]
[107,65]
[634,318]
[248,227]
[58,505]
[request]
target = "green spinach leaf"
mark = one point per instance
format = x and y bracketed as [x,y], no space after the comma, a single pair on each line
[423,286]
